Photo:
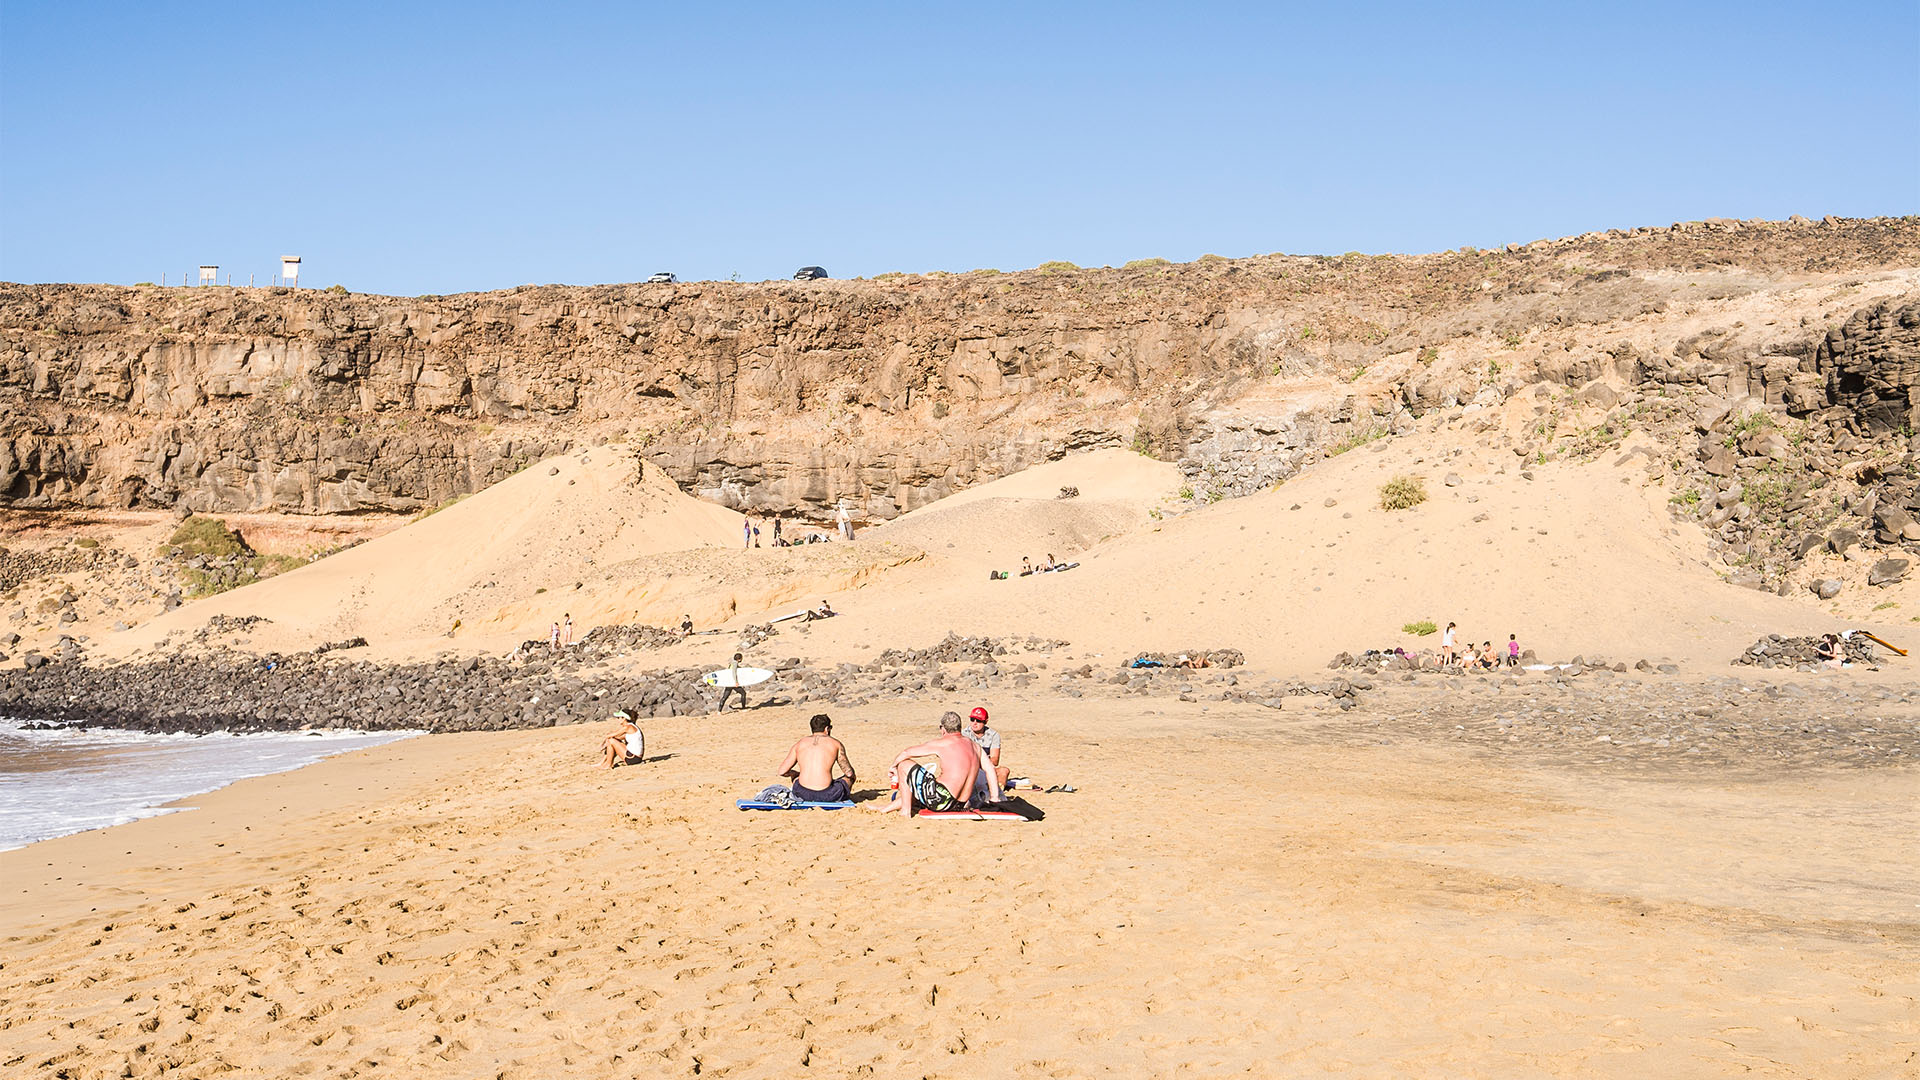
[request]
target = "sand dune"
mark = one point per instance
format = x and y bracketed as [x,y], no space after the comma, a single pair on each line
[1574,558]
[532,535]
[996,524]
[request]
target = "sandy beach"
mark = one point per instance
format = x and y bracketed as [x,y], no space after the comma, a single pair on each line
[1229,892]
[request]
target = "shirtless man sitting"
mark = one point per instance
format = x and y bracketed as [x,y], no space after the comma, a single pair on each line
[957,768]
[811,762]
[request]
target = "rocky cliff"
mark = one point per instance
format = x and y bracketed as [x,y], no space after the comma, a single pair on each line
[891,393]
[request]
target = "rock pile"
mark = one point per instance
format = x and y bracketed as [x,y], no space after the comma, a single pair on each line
[1221,658]
[1802,653]
[956,649]
[603,642]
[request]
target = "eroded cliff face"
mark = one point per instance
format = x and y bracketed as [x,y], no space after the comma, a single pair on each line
[886,394]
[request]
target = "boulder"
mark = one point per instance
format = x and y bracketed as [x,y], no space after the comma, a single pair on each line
[1891,524]
[1839,540]
[1888,571]
[1825,588]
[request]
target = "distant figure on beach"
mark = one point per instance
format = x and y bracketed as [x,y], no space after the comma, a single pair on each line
[686,626]
[1488,659]
[845,521]
[566,631]
[777,542]
[824,611]
[956,769]
[1026,566]
[733,672]
[1513,651]
[1446,646]
[626,745]
[988,740]
[746,533]
[553,638]
[811,761]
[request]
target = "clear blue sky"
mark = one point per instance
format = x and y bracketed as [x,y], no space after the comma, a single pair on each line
[419,148]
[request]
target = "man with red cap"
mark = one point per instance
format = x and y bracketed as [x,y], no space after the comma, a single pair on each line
[988,740]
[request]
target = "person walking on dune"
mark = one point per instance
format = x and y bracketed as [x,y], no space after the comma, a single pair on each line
[811,761]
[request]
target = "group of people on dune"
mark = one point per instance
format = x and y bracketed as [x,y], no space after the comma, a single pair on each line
[842,524]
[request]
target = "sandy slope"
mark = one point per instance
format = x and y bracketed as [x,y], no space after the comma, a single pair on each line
[1577,559]
[1574,558]
[532,535]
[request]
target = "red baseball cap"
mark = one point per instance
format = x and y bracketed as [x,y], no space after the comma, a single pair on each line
[978,714]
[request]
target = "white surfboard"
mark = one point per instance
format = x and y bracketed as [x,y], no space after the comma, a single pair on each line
[748,676]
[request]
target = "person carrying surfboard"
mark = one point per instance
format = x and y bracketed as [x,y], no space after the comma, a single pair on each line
[733,684]
[811,761]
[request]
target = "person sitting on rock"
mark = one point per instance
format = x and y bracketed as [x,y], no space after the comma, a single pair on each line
[626,746]
[686,626]
[811,761]
[1488,660]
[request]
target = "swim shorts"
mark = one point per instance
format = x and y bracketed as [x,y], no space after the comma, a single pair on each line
[837,791]
[927,789]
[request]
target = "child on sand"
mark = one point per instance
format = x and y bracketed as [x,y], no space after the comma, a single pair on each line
[1513,651]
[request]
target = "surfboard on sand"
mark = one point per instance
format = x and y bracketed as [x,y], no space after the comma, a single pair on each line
[796,615]
[748,676]
[1889,645]
[972,815]
[750,804]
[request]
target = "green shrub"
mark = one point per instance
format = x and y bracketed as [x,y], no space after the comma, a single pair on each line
[1147,264]
[986,270]
[207,536]
[337,290]
[1421,628]
[1403,493]
[1056,266]
[1359,438]
[86,542]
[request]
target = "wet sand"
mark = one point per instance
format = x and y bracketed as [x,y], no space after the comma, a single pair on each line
[1231,891]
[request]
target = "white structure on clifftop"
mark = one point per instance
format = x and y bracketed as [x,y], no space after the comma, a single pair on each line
[208,274]
[290,270]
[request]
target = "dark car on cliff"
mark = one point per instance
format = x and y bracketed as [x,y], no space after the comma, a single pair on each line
[809,273]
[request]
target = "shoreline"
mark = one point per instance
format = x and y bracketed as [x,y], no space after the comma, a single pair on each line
[53,877]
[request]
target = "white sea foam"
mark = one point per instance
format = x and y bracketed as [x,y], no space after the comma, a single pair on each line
[53,783]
